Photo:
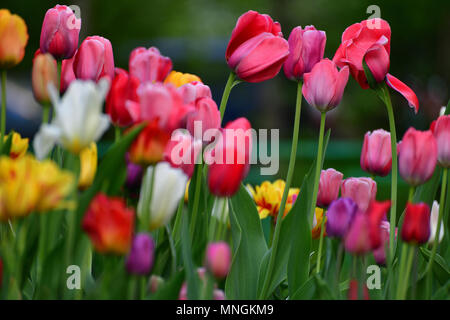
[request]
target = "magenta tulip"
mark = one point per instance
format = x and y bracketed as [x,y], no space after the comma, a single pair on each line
[339,216]
[442,134]
[218,259]
[149,65]
[376,154]
[329,185]
[361,190]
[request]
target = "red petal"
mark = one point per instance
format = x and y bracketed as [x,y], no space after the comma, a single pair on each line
[404,90]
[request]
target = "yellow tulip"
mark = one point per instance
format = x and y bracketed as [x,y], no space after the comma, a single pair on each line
[19,145]
[178,78]
[88,166]
[13,39]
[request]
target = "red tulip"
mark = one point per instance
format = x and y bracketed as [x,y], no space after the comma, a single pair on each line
[442,134]
[123,89]
[109,224]
[194,90]
[376,154]
[229,161]
[417,156]
[329,185]
[148,65]
[370,41]
[361,190]
[324,85]
[353,290]
[60,32]
[306,48]
[94,59]
[256,50]
[416,224]
[67,74]
[206,113]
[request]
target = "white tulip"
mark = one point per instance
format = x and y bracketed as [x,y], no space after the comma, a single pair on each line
[433,223]
[166,190]
[78,119]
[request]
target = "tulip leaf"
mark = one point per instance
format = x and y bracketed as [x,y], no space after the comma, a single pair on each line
[171,289]
[249,247]
[6,145]
[447,109]
[191,272]
[306,291]
[427,192]
[440,267]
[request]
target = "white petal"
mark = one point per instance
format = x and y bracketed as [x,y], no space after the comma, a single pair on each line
[45,140]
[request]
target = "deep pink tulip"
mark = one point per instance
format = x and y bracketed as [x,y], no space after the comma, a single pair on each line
[206,113]
[376,154]
[67,74]
[94,59]
[60,32]
[417,156]
[442,134]
[329,185]
[324,85]
[149,64]
[257,49]
[361,190]
[194,90]
[218,259]
[306,48]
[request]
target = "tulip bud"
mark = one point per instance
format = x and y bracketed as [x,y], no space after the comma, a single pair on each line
[376,154]
[207,114]
[361,190]
[329,184]
[434,224]
[148,65]
[60,32]
[19,145]
[339,216]
[442,134]
[306,48]
[155,283]
[218,294]
[109,224]
[158,205]
[44,73]
[357,239]
[417,156]
[256,50]
[182,151]
[416,224]
[317,224]
[13,39]
[218,259]
[67,74]
[178,79]
[324,85]
[88,166]
[140,258]
[194,90]
[94,59]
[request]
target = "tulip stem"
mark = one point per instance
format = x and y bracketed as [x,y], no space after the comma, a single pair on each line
[226,93]
[3,123]
[172,249]
[58,78]
[45,113]
[319,252]
[407,259]
[198,184]
[276,237]
[412,189]
[117,133]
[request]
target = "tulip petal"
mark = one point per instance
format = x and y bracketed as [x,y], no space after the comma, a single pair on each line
[377,59]
[341,82]
[45,140]
[404,90]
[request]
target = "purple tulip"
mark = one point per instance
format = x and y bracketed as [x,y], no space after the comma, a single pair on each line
[339,216]
[134,174]
[140,258]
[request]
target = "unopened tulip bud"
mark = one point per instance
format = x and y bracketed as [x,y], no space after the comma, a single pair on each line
[361,190]
[442,134]
[88,166]
[206,113]
[376,154]
[13,39]
[67,74]
[148,65]
[416,224]
[329,185]
[218,259]
[44,73]
[140,258]
[339,216]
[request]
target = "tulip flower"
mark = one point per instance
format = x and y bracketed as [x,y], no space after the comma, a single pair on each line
[67,74]
[306,48]
[44,73]
[134,174]
[94,59]
[361,190]
[257,49]
[88,166]
[140,258]
[324,85]
[329,184]
[229,161]
[194,90]
[379,253]
[369,41]
[78,120]
[354,288]
[376,154]
[317,223]
[218,259]
[182,151]
[417,156]
[434,224]
[339,217]
[13,39]
[206,114]
[442,134]
[158,204]
[416,224]
[148,65]
[19,145]
[179,79]
[148,148]
[60,32]
[123,89]
[109,224]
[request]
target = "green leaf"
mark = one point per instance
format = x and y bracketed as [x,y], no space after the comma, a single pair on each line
[191,272]
[6,145]
[440,268]
[427,192]
[249,247]
[171,289]
[306,291]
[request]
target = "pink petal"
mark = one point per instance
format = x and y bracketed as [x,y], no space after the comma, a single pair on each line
[404,90]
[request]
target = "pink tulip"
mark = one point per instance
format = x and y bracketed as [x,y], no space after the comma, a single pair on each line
[361,190]
[218,259]
[306,48]
[194,90]
[442,134]
[257,49]
[94,59]
[324,85]
[380,253]
[376,154]
[60,32]
[417,156]
[206,113]
[149,64]
[329,184]
[67,74]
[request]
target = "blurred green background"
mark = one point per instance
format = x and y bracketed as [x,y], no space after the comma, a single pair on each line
[195,34]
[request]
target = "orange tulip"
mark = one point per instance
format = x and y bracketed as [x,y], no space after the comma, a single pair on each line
[13,39]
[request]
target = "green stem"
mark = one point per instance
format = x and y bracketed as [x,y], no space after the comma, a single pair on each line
[319,252]
[412,189]
[172,249]
[147,206]
[226,93]
[402,290]
[198,184]
[177,224]
[45,113]
[117,133]
[298,107]
[42,244]
[58,67]
[318,166]
[3,122]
